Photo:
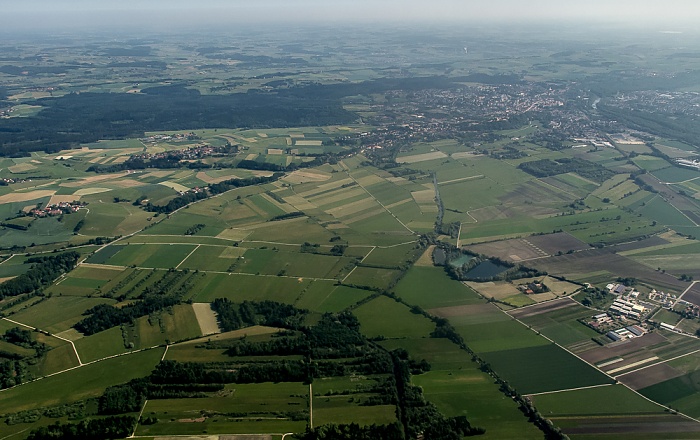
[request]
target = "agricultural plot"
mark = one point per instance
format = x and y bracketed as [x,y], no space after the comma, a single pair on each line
[167,326]
[259,406]
[430,287]
[458,387]
[323,296]
[44,314]
[161,256]
[385,317]
[372,277]
[81,383]
[558,320]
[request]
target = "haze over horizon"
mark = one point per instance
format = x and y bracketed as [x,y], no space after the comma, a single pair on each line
[169,14]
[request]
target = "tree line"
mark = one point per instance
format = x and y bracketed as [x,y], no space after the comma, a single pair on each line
[44,271]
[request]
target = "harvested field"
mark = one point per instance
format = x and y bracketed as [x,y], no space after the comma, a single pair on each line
[543,308]
[206,178]
[561,241]
[495,290]
[512,250]
[424,197]
[93,179]
[21,168]
[88,191]
[576,264]
[306,176]
[26,196]
[55,199]
[650,376]
[426,260]
[176,186]
[465,155]
[421,157]
[206,318]
[128,183]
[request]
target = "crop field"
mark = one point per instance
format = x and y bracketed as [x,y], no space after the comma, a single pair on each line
[558,323]
[385,317]
[258,404]
[458,387]
[44,316]
[431,287]
[322,296]
[81,383]
[543,368]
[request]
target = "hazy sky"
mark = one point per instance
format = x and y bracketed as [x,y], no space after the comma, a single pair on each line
[30,13]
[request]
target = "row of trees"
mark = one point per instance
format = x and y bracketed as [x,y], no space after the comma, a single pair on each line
[44,271]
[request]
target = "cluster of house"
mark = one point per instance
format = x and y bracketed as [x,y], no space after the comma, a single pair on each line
[666,300]
[8,181]
[171,137]
[689,163]
[56,209]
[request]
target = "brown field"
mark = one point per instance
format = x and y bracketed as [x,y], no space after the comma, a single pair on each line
[656,240]
[628,426]
[512,250]
[489,213]
[26,196]
[468,310]
[650,376]
[496,290]
[693,294]
[561,241]
[66,198]
[622,349]
[543,308]
[594,260]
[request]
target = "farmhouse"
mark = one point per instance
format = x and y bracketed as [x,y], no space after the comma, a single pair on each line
[624,307]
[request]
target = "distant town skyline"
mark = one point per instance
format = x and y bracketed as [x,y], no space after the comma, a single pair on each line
[84,13]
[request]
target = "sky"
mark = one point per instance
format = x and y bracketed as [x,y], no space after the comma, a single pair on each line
[29,14]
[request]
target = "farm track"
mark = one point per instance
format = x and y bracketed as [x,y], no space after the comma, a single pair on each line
[81,364]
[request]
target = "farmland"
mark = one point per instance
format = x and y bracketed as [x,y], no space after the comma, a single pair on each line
[281,231]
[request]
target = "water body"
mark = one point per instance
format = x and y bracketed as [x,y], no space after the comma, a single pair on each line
[459,262]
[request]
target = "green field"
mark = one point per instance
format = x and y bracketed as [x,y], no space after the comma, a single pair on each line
[385,317]
[254,408]
[81,383]
[44,315]
[543,368]
[430,287]
[601,401]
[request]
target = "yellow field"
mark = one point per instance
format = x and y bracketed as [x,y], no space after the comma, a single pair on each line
[26,196]
[88,191]
[421,157]
[22,167]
